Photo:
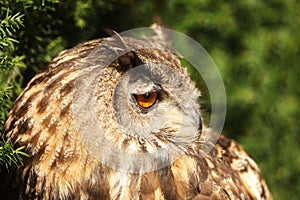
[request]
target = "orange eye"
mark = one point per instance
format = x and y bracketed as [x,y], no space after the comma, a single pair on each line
[146,100]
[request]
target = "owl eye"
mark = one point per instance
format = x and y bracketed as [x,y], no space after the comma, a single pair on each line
[146,100]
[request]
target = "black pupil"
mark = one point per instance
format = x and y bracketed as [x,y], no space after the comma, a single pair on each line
[146,96]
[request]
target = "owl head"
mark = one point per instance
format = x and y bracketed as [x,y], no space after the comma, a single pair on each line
[142,111]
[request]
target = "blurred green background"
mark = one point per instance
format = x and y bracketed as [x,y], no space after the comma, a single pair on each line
[254,43]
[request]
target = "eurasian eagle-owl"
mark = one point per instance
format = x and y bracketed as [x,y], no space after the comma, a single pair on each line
[105,122]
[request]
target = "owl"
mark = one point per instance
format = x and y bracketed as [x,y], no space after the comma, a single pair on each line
[119,118]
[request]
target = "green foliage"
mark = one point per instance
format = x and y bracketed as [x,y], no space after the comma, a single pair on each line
[254,43]
[9,61]
[8,26]
[9,65]
[9,156]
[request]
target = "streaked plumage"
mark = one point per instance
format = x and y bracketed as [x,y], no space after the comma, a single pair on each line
[81,99]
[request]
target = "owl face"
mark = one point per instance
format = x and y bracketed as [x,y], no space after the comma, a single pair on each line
[138,111]
[151,98]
